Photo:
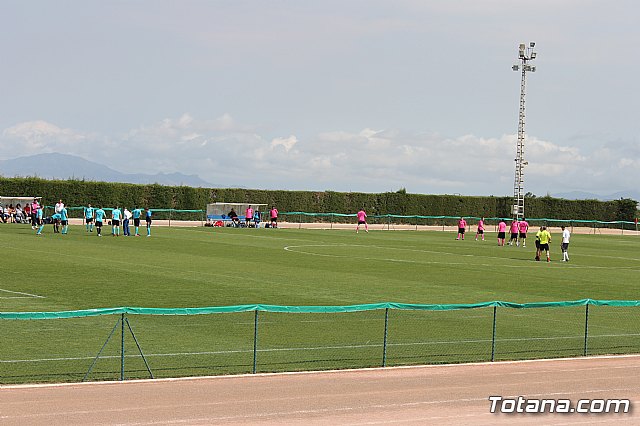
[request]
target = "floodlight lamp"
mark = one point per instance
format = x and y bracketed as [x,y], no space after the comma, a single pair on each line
[533,55]
[515,68]
[533,69]
[532,44]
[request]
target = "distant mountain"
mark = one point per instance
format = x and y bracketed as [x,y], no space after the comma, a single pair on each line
[62,166]
[580,195]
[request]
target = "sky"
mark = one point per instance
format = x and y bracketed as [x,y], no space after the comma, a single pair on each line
[348,95]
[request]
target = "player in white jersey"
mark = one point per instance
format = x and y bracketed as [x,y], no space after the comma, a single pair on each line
[566,235]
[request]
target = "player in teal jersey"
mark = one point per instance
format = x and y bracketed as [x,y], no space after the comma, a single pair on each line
[38,221]
[148,220]
[55,221]
[136,219]
[88,218]
[64,220]
[115,221]
[100,214]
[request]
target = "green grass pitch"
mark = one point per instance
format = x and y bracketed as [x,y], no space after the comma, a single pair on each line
[192,267]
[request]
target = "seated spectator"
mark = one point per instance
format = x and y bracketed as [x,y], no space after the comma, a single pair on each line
[12,214]
[19,214]
[235,220]
[3,218]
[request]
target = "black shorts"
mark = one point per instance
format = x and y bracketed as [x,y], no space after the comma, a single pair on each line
[461,230]
[501,235]
[64,222]
[115,222]
[523,235]
[480,231]
[514,235]
[89,219]
[274,219]
[544,247]
[537,244]
[361,222]
[98,223]
[136,221]
[564,246]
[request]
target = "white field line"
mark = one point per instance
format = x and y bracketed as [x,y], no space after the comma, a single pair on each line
[22,295]
[340,371]
[351,370]
[316,348]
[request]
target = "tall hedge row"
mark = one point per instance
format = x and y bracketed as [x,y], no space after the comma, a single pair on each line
[79,193]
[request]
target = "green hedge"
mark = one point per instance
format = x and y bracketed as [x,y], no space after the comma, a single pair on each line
[80,193]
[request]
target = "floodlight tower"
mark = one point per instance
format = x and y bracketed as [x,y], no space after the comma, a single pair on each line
[525,55]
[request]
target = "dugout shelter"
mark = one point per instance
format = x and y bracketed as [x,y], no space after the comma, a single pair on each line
[220,211]
[23,201]
[5,201]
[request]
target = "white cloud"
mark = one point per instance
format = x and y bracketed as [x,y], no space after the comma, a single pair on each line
[38,135]
[287,143]
[224,152]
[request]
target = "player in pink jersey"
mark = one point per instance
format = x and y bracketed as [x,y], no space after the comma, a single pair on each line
[248,216]
[523,227]
[362,220]
[480,229]
[502,230]
[462,226]
[273,216]
[514,232]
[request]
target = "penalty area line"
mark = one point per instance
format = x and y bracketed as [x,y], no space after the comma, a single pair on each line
[22,295]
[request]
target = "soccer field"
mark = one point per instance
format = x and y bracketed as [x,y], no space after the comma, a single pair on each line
[196,267]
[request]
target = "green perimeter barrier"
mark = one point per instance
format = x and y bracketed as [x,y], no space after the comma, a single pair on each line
[387,219]
[170,342]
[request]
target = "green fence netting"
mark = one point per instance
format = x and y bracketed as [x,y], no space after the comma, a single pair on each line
[298,216]
[136,342]
[390,219]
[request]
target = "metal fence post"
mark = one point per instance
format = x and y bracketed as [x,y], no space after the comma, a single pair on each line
[493,335]
[122,347]
[170,218]
[586,328]
[255,341]
[384,342]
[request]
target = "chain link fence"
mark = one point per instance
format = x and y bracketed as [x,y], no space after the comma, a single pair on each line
[128,343]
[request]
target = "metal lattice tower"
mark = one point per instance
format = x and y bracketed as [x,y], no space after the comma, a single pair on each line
[525,55]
